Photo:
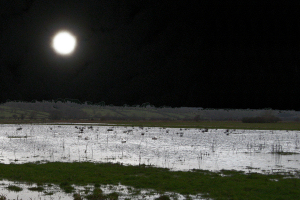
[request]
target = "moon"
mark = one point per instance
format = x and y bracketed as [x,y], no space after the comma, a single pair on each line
[64,43]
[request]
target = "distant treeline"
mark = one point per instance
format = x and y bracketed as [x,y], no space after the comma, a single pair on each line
[73,109]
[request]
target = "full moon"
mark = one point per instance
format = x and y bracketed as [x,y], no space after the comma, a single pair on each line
[64,43]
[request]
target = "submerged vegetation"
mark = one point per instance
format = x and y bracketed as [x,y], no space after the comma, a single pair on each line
[17,136]
[39,188]
[14,188]
[284,153]
[98,194]
[218,185]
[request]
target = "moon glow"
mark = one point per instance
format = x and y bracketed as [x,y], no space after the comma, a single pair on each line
[64,43]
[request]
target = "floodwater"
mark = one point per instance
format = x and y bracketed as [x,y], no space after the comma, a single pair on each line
[53,192]
[174,148]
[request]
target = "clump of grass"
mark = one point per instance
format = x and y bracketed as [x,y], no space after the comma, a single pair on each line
[2,197]
[14,188]
[67,187]
[97,194]
[48,193]
[112,196]
[77,196]
[86,190]
[136,192]
[187,197]
[39,189]
[39,184]
[163,197]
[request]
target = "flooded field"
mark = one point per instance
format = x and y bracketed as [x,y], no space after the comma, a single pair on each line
[53,192]
[177,149]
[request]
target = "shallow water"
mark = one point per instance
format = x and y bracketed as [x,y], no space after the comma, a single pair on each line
[53,192]
[174,148]
[33,195]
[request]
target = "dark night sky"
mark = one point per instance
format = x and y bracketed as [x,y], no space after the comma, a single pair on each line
[172,53]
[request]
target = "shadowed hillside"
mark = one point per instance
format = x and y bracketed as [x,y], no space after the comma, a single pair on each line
[74,110]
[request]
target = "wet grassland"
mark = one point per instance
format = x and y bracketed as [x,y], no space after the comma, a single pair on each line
[209,184]
[225,184]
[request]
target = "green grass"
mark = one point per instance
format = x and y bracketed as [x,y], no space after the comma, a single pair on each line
[14,188]
[98,194]
[67,187]
[163,197]
[235,185]
[39,189]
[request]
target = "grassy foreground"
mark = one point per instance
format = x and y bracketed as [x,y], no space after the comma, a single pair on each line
[234,185]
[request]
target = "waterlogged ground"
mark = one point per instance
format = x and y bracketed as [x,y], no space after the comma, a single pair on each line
[174,148]
[178,149]
[53,192]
